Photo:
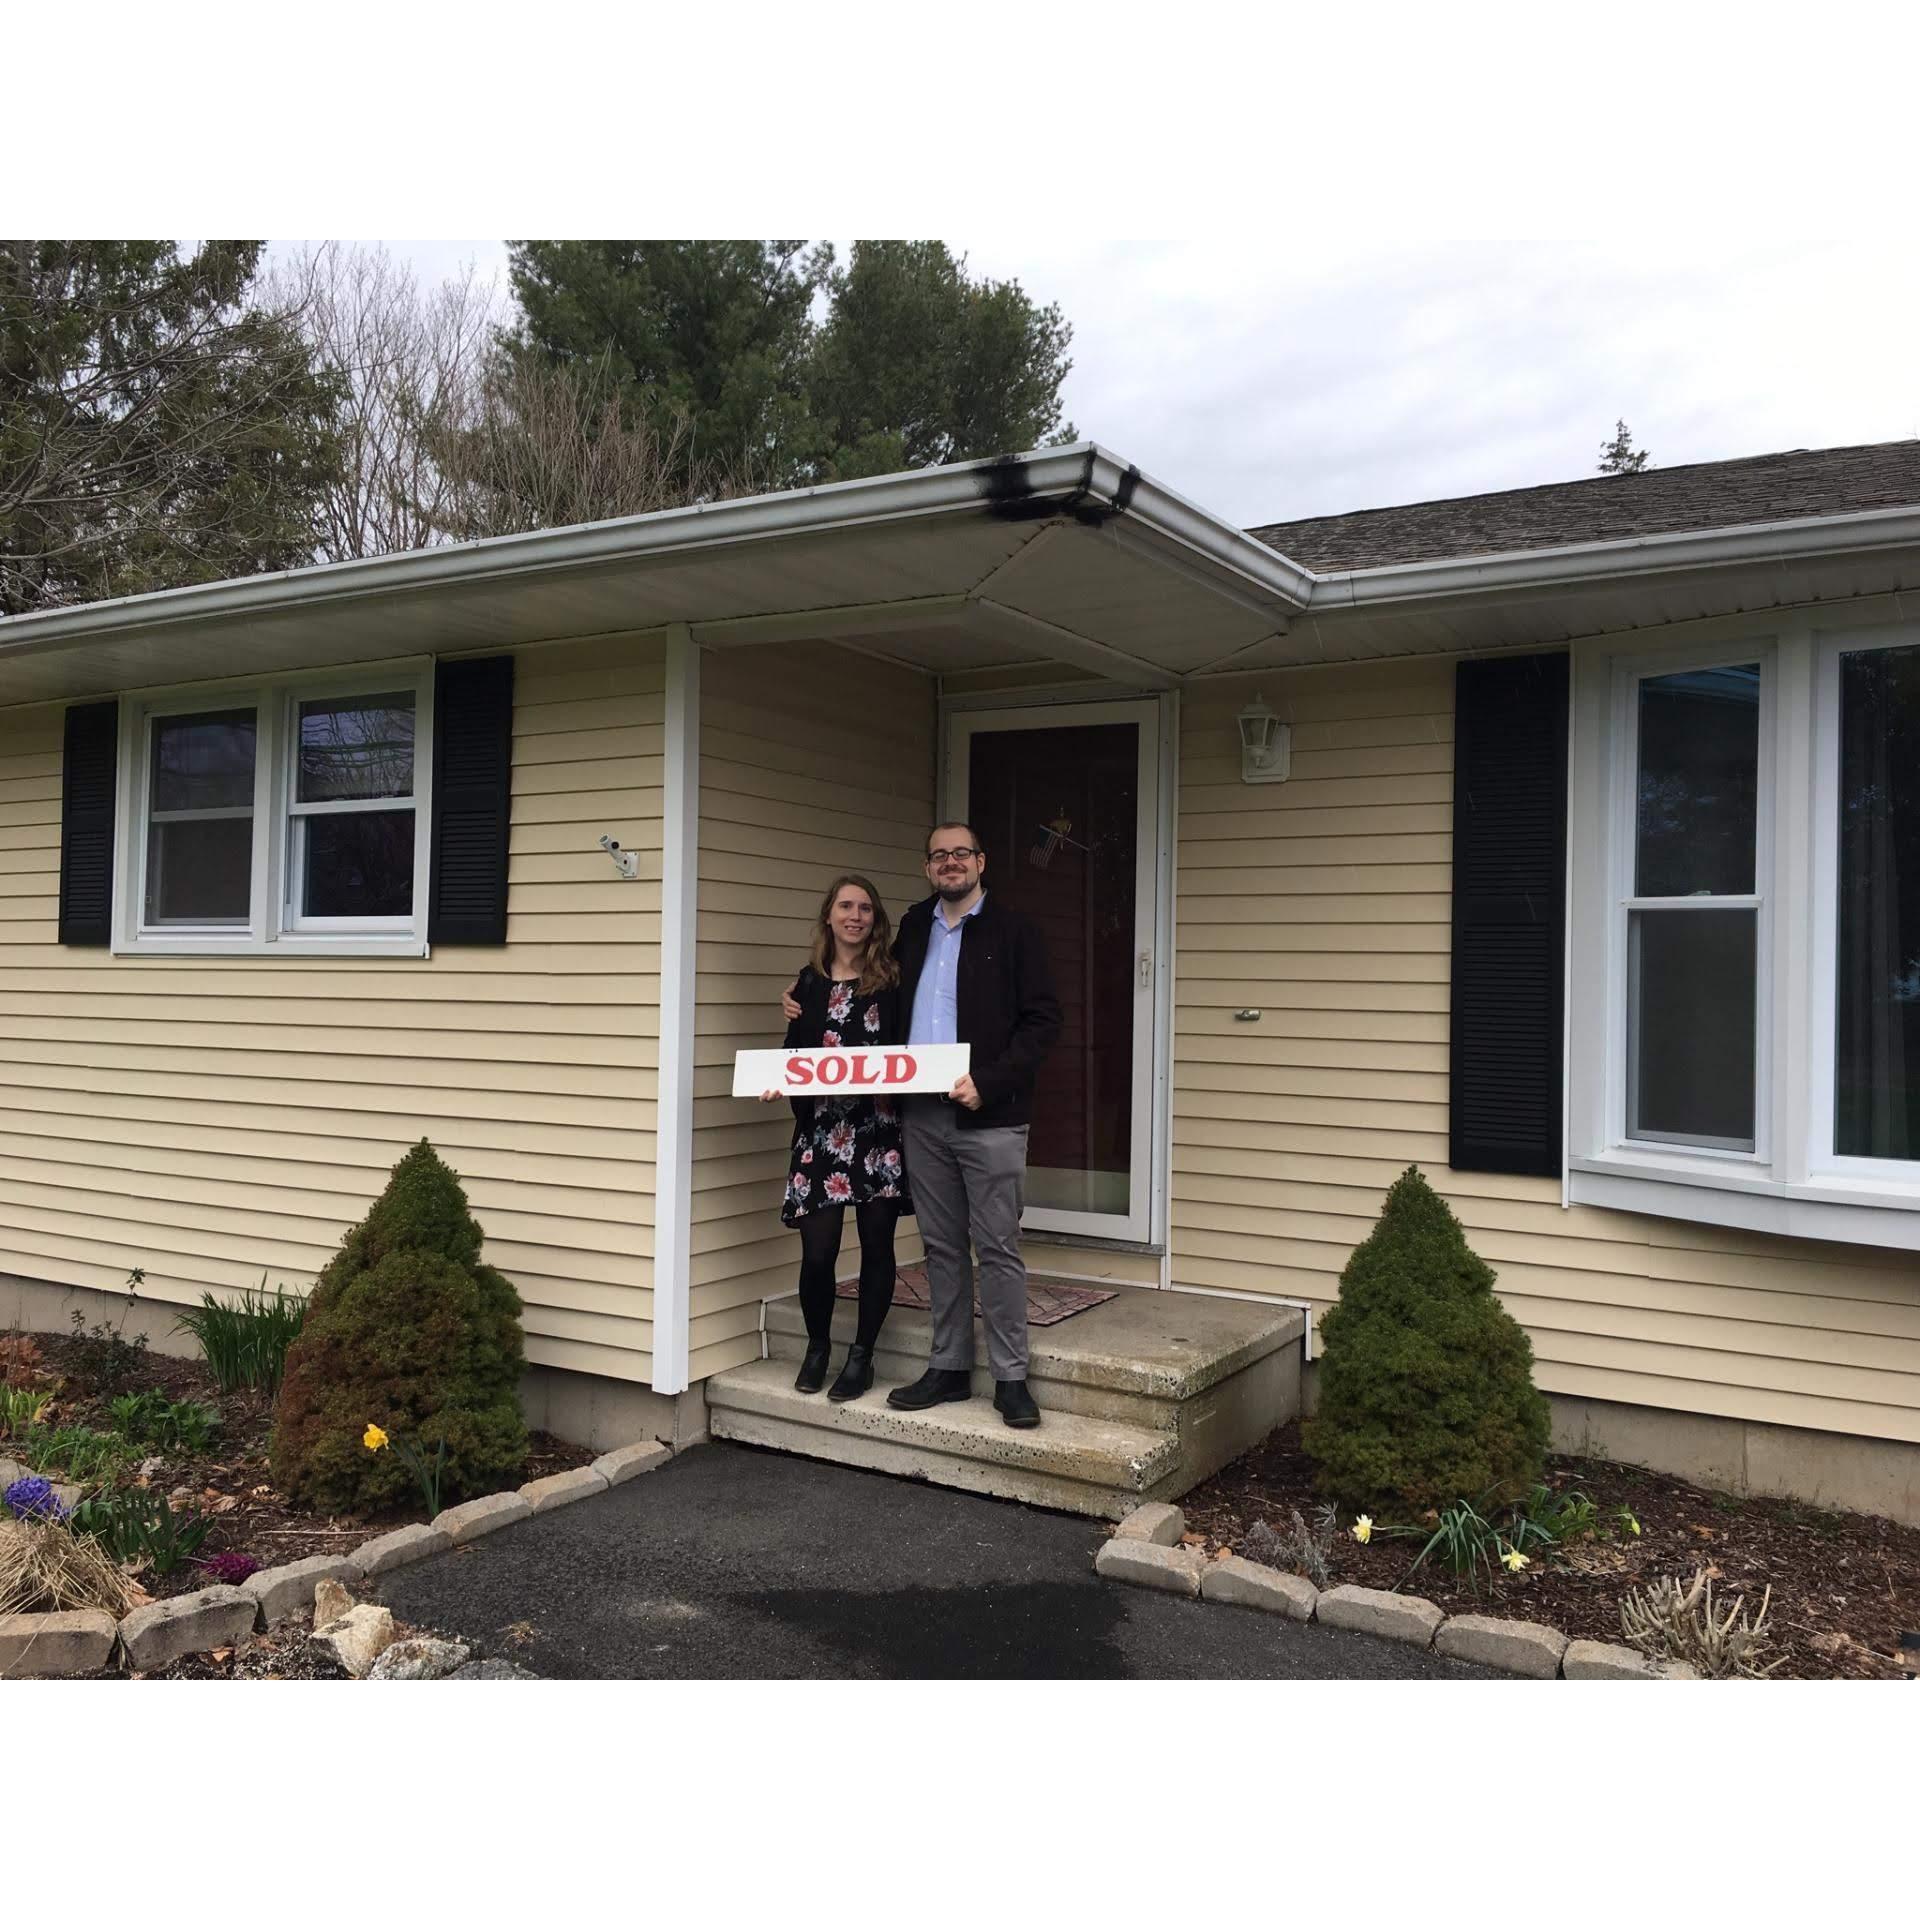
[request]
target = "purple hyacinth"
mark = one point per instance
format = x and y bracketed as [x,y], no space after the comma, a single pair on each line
[229,1569]
[32,1498]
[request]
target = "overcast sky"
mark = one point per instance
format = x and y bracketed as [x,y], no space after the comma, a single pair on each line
[1268,387]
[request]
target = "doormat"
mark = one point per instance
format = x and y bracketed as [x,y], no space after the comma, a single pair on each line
[1048,1302]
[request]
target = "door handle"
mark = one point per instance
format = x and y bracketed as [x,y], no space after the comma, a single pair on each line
[1146,969]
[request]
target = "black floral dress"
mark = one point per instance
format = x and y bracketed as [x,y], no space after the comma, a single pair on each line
[845,1152]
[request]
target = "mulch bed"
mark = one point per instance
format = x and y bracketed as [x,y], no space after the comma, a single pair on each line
[231,1480]
[1845,1587]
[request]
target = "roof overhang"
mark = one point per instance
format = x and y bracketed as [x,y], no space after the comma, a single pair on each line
[1066,555]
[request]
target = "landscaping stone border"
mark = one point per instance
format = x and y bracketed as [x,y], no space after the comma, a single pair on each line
[64,1645]
[1141,1554]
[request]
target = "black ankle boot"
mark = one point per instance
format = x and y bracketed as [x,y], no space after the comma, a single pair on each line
[855,1377]
[933,1386]
[1016,1403]
[813,1369]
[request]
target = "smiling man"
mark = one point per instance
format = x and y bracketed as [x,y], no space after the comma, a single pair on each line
[973,971]
[976,972]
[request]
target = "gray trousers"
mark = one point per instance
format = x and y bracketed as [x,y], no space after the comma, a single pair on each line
[970,1182]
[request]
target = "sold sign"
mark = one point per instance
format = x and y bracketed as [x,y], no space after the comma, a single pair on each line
[839,1073]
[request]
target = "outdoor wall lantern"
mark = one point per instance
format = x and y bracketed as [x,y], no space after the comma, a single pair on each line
[1266,744]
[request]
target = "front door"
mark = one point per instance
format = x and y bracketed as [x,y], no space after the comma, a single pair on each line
[1065,800]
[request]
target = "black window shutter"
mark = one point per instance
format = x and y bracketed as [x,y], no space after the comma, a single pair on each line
[1509,913]
[88,771]
[472,776]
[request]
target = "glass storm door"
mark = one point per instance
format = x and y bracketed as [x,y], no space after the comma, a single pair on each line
[1064,799]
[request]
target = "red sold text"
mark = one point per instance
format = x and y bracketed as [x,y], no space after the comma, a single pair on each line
[861,1069]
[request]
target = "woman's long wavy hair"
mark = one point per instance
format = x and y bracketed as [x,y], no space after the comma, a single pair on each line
[877,969]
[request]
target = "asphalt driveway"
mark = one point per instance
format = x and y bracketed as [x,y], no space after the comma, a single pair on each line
[731,1563]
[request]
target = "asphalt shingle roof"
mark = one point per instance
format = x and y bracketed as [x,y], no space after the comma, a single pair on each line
[1716,493]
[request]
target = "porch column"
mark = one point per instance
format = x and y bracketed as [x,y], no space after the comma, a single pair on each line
[673,1149]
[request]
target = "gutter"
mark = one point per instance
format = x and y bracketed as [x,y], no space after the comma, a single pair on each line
[1081,481]
[1601,562]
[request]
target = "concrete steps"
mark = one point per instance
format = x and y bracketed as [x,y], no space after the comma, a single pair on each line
[1068,1461]
[1141,1398]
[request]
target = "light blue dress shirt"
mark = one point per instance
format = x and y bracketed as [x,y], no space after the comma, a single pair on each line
[936,997]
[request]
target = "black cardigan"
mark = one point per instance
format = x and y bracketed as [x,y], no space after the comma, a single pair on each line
[1004,1004]
[811,990]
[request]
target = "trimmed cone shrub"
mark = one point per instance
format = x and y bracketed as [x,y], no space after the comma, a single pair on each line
[1426,1381]
[407,1328]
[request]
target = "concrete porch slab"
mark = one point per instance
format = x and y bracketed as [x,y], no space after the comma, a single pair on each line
[1142,1397]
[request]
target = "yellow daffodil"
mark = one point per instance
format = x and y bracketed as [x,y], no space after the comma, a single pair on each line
[1515,1560]
[374,1438]
[1633,1526]
[1363,1529]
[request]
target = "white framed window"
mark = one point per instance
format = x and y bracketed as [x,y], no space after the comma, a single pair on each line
[1744,951]
[287,817]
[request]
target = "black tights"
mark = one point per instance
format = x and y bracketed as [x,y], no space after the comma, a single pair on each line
[820,1251]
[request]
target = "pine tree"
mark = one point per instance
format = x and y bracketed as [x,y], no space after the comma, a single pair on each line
[156,426]
[1619,455]
[918,364]
[706,341]
[1426,1381]
[717,347]
[407,1329]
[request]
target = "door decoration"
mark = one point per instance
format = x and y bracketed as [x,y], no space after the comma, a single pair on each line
[1053,836]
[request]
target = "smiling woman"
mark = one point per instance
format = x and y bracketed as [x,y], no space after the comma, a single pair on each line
[847,1149]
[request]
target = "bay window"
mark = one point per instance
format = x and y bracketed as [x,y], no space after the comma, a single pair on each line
[277,817]
[1744,1004]
[1693,915]
[1876,951]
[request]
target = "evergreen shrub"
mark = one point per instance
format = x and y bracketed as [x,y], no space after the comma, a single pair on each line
[408,1329]
[1426,1381]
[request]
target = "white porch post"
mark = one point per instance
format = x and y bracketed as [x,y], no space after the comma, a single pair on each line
[679,879]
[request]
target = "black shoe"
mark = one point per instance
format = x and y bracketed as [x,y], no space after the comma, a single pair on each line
[933,1386]
[813,1369]
[855,1377]
[1015,1403]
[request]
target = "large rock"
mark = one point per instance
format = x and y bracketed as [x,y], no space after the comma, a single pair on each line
[51,1646]
[398,1549]
[1393,1616]
[330,1601]
[190,1623]
[1514,1646]
[357,1639]
[1154,1522]
[485,1515]
[491,1670]
[563,1489]
[1602,1660]
[624,1462]
[1241,1583]
[281,1592]
[1141,1564]
[419,1659]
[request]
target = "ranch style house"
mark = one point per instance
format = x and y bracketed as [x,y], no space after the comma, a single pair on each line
[1564,842]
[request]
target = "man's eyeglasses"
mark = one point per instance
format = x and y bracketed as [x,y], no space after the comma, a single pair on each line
[951,856]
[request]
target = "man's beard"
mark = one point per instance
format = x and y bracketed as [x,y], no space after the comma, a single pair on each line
[954,889]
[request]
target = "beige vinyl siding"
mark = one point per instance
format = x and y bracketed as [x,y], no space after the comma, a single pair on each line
[216,1121]
[1325,902]
[814,760]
